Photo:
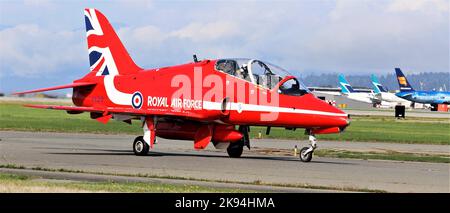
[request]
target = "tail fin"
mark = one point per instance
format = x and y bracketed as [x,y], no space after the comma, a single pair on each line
[107,55]
[377,87]
[345,86]
[402,81]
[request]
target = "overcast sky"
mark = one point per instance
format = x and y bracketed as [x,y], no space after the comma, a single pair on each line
[42,43]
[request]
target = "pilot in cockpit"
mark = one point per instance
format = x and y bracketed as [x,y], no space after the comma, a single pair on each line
[227,66]
[231,67]
[243,73]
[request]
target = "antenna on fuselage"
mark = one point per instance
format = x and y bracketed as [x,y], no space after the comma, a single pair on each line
[195,58]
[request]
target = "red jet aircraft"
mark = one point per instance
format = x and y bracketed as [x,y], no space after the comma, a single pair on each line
[203,101]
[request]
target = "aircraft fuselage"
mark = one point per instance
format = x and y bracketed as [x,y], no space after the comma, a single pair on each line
[426,97]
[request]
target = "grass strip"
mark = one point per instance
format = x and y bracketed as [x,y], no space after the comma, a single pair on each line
[23,183]
[255,182]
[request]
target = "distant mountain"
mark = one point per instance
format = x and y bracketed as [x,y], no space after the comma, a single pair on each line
[419,81]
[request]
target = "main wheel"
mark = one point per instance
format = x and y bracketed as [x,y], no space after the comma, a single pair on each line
[140,147]
[234,150]
[305,157]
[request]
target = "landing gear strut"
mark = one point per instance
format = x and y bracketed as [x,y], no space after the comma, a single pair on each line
[307,152]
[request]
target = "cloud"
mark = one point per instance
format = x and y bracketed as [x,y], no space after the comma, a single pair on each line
[366,36]
[135,4]
[348,36]
[28,50]
[418,5]
[205,32]
[40,3]
[144,35]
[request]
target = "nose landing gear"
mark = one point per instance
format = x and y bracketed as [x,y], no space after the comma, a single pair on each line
[307,152]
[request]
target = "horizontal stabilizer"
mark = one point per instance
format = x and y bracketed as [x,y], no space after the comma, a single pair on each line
[116,110]
[79,84]
[68,108]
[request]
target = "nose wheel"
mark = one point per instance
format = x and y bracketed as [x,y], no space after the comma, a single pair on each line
[306,153]
[140,147]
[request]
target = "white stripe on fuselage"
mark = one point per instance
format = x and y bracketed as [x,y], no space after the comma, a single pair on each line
[115,95]
[263,108]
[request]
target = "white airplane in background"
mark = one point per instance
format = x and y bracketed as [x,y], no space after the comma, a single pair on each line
[387,99]
[348,91]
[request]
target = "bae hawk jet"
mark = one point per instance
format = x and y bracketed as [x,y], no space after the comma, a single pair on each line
[206,101]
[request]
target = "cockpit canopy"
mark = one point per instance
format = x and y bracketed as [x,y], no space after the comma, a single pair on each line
[263,74]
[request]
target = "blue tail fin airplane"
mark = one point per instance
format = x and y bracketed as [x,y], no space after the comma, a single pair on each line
[387,99]
[377,87]
[345,86]
[426,97]
[348,91]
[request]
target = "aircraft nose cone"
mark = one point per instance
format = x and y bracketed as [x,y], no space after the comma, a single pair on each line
[344,121]
[340,118]
[330,115]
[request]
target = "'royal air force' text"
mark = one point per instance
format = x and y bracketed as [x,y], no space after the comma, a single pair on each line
[175,103]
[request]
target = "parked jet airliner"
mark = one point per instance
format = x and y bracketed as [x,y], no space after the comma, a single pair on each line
[426,97]
[348,91]
[387,99]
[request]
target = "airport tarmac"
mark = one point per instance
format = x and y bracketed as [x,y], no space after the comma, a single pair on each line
[113,154]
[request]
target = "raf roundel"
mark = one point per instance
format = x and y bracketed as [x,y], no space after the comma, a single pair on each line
[136,100]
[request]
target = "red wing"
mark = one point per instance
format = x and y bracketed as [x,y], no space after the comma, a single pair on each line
[79,84]
[118,110]
[67,108]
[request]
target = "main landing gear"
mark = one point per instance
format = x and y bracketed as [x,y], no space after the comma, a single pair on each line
[140,147]
[235,150]
[306,153]
[142,144]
